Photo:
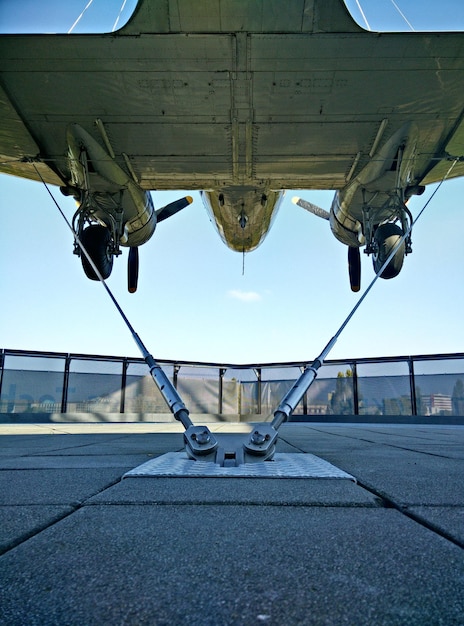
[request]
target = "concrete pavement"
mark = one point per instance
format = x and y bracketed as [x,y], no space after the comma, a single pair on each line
[81,546]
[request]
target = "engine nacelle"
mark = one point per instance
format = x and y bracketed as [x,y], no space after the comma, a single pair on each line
[345,228]
[114,196]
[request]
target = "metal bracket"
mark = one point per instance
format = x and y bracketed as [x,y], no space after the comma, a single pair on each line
[199,441]
[262,442]
[230,450]
[406,224]
[368,226]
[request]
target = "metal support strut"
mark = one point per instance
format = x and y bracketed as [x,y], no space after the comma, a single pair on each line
[263,439]
[199,440]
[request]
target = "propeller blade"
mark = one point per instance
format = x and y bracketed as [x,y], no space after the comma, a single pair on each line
[172,208]
[354,268]
[133,269]
[312,208]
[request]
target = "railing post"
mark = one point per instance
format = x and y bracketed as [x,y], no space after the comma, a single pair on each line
[175,372]
[258,373]
[2,365]
[412,383]
[64,394]
[222,371]
[305,396]
[355,388]
[125,365]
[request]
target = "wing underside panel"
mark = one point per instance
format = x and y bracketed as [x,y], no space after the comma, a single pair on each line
[265,109]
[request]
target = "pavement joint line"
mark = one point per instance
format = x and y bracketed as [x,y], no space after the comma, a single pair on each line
[265,503]
[102,490]
[404,510]
[14,543]
[82,445]
[380,432]
[440,456]
[58,451]
[390,445]
[74,508]
[291,444]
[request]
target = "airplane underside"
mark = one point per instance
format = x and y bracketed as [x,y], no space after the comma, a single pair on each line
[241,105]
[115,211]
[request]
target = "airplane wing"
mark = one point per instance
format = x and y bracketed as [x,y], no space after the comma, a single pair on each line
[233,92]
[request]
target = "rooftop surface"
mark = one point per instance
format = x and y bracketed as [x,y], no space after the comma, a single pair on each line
[80,545]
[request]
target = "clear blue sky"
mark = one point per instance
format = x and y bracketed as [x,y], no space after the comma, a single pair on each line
[193,302]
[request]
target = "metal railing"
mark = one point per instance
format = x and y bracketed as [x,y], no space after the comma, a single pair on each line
[51,382]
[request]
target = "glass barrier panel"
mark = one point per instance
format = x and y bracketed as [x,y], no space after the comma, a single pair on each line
[439,386]
[141,393]
[384,388]
[193,371]
[279,373]
[199,388]
[248,400]
[240,391]
[32,384]
[230,397]
[94,386]
[331,396]
[245,374]
[336,370]
[272,392]
[276,382]
[332,393]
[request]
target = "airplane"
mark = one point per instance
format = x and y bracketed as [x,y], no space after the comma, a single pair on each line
[242,100]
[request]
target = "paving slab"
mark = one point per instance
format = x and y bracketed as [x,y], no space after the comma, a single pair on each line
[79,461]
[57,486]
[435,443]
[275,491]
[18,523]
[82,546]
[406,475]
[220,565]
[83,451]
[149,444]
[449,520]
[16,445]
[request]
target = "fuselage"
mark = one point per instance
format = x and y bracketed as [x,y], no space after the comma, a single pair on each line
[242,215]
